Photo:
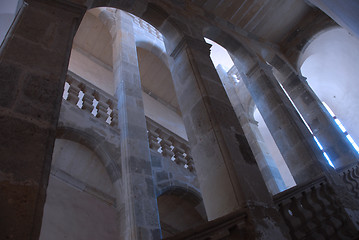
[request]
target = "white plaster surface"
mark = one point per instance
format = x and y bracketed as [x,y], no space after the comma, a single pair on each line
[331,65]
[92,71]
[75,215]
[82,164]
[163,115]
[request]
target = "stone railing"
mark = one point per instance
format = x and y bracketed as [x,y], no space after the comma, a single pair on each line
[232,226]
[89,98]
[350,176]
[169,144]
[147,27]
[103,106]
[310,211]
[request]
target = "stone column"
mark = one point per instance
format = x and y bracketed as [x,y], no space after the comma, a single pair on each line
[33,66]
[136,201]
[333,140]
[293,139]
[227,171]
[291,134]
[267,166]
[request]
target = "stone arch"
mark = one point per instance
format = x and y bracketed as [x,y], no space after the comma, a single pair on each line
[303,55]
[154,49]
[182,189]
[151,13]
[330,64]
[91,142]
[179,209]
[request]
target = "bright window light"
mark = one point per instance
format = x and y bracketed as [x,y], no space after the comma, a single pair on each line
[219,55]
[310,130]
[337,121]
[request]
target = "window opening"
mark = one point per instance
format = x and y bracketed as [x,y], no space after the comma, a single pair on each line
[337,121]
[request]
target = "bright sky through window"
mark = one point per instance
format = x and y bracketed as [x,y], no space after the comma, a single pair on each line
[219,55]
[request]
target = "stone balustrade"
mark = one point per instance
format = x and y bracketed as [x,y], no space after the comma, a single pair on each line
[88,97]
[169,144]
[230,227]
[310,211]
[103,106]
[350,176]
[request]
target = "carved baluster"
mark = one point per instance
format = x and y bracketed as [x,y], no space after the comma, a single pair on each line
[153,140]
[114,117]
[178,151]
[348,182]
[73,96]
[66,89]
[353,182]
[309,203]
[190,163]
[102,110]
[355,177]
[109,111]
[292,221]
[165,143]
[333,219]
[298,212]
[305,213]
[95,103]
[88,101]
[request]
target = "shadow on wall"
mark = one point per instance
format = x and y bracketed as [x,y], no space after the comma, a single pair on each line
[179,210]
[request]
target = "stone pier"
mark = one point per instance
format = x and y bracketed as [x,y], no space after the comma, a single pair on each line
[33,64]
[227,170]
[136,199]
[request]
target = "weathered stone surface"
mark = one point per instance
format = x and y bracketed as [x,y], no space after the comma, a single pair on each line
[28,129]
[139,215]
[10,77]
[215,147]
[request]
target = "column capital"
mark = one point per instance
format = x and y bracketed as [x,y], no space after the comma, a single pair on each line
[193,43]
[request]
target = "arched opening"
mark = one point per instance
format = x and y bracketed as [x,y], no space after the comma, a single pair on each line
[260,140]
[179,210]
[330,63]
[80,202]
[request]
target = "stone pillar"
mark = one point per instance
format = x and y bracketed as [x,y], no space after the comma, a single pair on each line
[227,171]
[289,132]
[267,166]
[33,66]
[136,201]
[333,140]
[293,139]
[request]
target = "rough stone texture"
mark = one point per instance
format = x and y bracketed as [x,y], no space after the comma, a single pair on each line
[136,204]
[213,130]
[265,162]
[299,149]
[289,132]
[33,62]
[170,175]
[334,142]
